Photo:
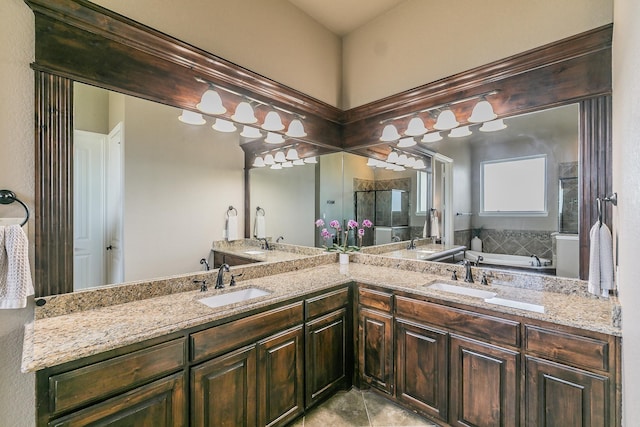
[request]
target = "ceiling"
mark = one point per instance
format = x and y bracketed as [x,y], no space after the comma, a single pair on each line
[343,16]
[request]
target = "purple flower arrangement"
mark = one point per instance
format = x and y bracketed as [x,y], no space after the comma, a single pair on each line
[327,236]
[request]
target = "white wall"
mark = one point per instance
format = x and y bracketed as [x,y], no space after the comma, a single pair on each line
[273,38]
[17,390]
[420,41]
[626,181]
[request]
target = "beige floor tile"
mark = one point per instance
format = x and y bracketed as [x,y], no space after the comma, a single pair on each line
[384,413]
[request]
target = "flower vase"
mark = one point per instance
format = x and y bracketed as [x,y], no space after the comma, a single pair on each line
[344,258]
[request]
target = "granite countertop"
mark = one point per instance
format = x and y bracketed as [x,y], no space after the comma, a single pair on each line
[251,249]
[61,338]
[424,252]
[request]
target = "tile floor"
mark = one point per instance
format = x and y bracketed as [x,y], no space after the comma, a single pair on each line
[360,408]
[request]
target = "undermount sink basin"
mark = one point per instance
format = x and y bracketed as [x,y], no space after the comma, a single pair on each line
[425,251]
[253,252]
[461,290]
[516,304]
[233,297]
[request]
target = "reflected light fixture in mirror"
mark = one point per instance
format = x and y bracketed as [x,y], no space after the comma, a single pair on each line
[259,162]
[392,157]
[372,162]
[287,165]
[272,122]
[222,125]
[432,137]
[244,113]
[419,164]
[298,162]
[389,133]
[279,157]
[460,132]
[292,154]
[274,138]
[493,126]
[311,160]
[407,142]
[211,103]
[276,166]
[416,127]
[250,132]
[191,118]
[402,160]
[296,129]
[268,160]
[482,112]
[411,162]
[446,120]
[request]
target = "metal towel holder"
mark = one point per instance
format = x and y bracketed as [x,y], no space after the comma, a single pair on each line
[613,199]
[231,209]
[7,197]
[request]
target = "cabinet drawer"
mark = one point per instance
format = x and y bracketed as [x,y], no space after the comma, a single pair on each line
[232,335]
[80,386]
[567,348]
[487,328]
[326,302]
[378,300]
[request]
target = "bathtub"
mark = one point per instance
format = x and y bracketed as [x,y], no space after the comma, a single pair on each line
[510,261]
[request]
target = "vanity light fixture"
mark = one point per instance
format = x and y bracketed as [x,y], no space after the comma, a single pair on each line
[493,126]
[276,166]
[287,165]
[382,164]
[298,162]
[250,132]
[392,157]
[402,160]
[279,157]
[460,132]
[272,122]
[407,142]
[446,120]
[411,162]
[398,168]
[259,162]
[222,125]
[244,113]
[269,160]
[296,129]
[274,138]
[419,164]
[311,160]
[389,133]
[372,162]
[191,118]
[482,112]
[416,127]
[292,154]
[432,137]
[211,103]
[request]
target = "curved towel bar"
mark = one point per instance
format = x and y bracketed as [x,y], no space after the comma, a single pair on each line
[7,197]
[613,199]
[232,209]
[258,210]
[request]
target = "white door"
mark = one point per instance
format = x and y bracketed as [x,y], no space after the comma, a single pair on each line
[88,209]
[114,205]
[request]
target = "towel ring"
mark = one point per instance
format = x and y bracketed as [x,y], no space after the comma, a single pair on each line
[7,197]
[258,210]
[613,199]
[231,209]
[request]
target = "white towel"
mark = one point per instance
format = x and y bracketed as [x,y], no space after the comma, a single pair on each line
[424,229]
[260,227]
[435,226]
[232,228]
[600,260]
[15,275]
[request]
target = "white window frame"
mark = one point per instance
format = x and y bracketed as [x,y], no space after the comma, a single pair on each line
[421,193]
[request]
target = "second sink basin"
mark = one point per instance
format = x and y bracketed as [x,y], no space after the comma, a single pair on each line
[234,297]
[461,290]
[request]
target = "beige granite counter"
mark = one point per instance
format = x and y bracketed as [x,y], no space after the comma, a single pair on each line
[251,249]
[63,335]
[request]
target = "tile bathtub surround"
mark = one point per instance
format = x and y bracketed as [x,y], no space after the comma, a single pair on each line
[517,242]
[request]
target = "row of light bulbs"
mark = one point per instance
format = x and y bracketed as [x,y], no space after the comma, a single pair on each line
[397,162]
[281,160]
[211,104]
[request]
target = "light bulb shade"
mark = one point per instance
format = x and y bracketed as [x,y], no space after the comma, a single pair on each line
[411,162]
[402,160]
[482,112]
[298,162]
[493,126]
[244,113]
[311,160]
[416,127]
[382,165]
[274,138]
[419,164]
[211,103]
[389,133]
[191,118]
[372,162]
[446,120]
[292,154]
[268,160]
[259,162]
[296,129]
[287,165]
[222,125]
[279,157]
[432,137]
[460,132]
[398,168]
[407,142]
[277,166]
[272,122]
[250,132]
[392,157]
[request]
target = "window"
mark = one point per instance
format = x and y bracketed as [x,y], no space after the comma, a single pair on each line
[423,193]
[514,186]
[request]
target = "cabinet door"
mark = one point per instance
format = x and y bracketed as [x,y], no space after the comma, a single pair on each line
[562,396]
[223,390]
[375,353]
[326,355]
[281,377]
[159,404]
[484,384]
[421,364]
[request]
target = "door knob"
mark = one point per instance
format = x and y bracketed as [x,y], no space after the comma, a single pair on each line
[109,247]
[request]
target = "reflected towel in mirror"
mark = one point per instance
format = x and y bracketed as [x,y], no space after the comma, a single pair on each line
[435,225]
[260,227]
[600,260]
[15,274]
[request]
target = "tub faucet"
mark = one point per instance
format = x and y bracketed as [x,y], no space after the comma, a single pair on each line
[537,261]
[468,276]
[206,264]
[395,239]
[479,260]
[412,244]
[279,239]
[220,278]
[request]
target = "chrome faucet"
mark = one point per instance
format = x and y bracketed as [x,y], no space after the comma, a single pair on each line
[479,260]
[220,277]
[206,264]
[203,285]
[279,238]
[537,261]
[468,276]
[264,243]
[395,239]
[412,244]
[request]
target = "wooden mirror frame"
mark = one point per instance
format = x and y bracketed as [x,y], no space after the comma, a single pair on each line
[79,41]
